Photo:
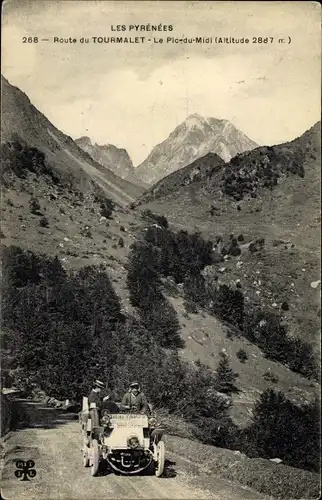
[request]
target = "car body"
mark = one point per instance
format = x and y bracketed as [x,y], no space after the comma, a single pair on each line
[127,441]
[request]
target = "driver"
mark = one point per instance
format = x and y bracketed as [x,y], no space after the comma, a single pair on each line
[135,397]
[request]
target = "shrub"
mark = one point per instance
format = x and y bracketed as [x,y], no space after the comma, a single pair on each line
[106,205]
[86,231]
[34,206]
[268,332]
[284,430]
[44,222]
[240,237]
[120,242]
[157,219]
[242,355]
[227,304]
[285,306]
[19,159]
[190,307]
[270,377]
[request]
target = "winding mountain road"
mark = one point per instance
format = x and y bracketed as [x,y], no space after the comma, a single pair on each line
[52,439]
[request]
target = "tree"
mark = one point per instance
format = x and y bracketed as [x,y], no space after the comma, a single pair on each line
[225,377]
[282,429]
[228,304]
[195,289]
[143,275]
[162,322]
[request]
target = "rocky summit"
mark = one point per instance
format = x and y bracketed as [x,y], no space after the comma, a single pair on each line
[192,139]
[115,159]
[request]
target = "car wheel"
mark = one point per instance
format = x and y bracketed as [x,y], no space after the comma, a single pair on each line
[85,459]
[160,459]
[94,458]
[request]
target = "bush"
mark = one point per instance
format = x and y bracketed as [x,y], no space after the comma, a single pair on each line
[227,304]
[190,307]
[157,219]
[268,332]
[34,206]
[285,306]
[242,355]
[86,231]
[270,377]
[284,430]
[19,159]
[44,222]
[106,205]
[121,242]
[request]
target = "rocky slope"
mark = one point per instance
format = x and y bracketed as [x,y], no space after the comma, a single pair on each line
[192,139]
[271,193]
[115,159]
[22,121]
[203,168]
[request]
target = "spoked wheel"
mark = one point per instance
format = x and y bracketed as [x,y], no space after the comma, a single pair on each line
[94,460]
[160,459]
[85,450]
[85,459]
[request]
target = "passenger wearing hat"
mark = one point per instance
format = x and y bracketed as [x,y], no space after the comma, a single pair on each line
[135,397]
[97,395]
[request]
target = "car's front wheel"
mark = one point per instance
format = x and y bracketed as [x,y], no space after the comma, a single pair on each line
[94,461]
[160,458]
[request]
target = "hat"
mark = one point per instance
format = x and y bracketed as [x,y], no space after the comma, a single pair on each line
[134,384]
[100,384]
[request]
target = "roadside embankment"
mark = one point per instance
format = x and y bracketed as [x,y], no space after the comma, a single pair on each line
[262,475]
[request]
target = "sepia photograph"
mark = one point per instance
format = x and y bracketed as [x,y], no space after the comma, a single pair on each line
[160,250]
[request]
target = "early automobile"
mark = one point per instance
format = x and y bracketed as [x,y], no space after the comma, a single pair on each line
[127,441]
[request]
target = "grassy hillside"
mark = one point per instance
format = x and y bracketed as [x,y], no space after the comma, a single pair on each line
[79,235]
[287,216]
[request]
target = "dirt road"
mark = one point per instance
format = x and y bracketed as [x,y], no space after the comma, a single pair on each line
[52,440]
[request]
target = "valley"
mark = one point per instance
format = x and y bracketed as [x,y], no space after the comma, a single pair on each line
[72,205]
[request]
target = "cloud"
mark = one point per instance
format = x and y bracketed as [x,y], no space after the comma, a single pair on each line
[133,96]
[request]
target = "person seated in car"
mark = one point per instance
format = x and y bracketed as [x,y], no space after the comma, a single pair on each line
[136,398]
[97,395]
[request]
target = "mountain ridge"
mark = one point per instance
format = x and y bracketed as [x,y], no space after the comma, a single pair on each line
[193,138]
[112,157]
[20,119]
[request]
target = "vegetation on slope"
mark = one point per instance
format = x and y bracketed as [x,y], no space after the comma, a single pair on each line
[59,327]
[184,256]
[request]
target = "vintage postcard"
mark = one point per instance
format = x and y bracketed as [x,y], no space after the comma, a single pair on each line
[160,249]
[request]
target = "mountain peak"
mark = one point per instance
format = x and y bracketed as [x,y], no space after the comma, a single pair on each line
[111,157]
[194,138]
[85,140]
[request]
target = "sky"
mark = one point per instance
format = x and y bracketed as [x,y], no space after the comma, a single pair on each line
[134,95]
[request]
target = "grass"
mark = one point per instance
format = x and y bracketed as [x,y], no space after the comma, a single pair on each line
[205,337]
[277,480]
